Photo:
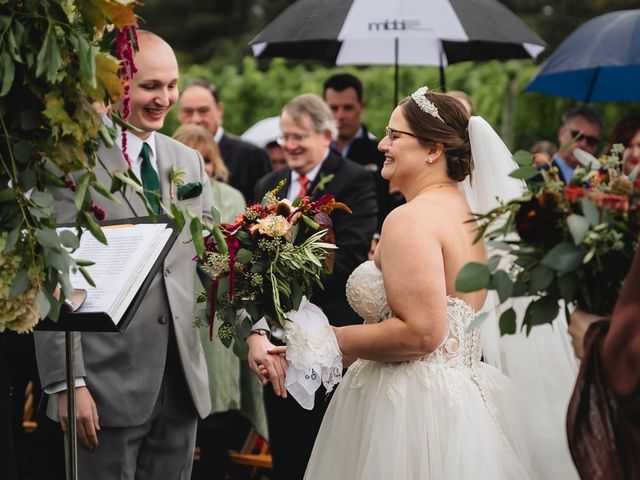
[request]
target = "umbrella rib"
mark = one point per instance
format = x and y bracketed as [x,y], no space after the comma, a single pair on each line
[594,78]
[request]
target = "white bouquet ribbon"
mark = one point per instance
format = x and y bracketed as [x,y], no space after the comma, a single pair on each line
[312,352]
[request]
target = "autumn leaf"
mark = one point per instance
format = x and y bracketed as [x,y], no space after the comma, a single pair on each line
[333,205]
[120,12]
[107,74]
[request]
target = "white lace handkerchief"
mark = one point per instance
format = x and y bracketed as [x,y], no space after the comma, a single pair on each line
[312,353]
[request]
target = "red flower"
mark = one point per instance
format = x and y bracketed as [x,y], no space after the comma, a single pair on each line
[612,201]
[574,194]
[98,211]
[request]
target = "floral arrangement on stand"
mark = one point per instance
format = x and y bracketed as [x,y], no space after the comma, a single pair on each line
[262,264]
[52,65]
[560,244]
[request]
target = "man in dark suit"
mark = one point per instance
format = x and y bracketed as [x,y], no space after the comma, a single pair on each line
[343,93]
[581,128]
[313,168]
[199,104]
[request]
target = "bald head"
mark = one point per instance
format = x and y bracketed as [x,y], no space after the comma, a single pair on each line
[154,87]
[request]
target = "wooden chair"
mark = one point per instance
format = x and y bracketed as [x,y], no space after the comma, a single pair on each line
[255,453]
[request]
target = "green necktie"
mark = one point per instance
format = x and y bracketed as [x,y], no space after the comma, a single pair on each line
[150,180]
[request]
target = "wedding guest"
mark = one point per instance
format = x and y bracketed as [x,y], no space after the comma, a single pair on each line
[344,94]
[200,104]
[581,128]
[313,169]
[139,394]
[627,132]
[603,421]
[228,200]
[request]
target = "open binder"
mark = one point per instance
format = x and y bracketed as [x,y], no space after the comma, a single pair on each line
[101,321]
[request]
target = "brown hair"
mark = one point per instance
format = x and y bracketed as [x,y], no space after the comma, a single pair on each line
[451,133]
[201,139]
[625,130]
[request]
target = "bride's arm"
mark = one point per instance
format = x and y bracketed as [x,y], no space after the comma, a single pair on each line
[413,273]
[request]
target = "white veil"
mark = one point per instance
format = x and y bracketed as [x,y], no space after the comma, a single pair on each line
[543,364]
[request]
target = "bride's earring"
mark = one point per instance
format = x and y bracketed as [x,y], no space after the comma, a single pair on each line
[430,159]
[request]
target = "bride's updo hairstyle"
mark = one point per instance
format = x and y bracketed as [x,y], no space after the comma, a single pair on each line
[441,119]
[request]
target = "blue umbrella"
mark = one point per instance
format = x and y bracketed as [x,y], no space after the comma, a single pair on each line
[599,62]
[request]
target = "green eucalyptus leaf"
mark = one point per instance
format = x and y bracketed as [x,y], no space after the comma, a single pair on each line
[195,227]
[81,190]
[296,294]
[501,283]
[507,322]
[587,160]
[590,211]
[473,277]
[104,191]
[243,256]
[48,238]
[7,195]
[61,261]
[563,258]
[84,263]
[42,199]
[19,285]
[540,278]
[544,310]
[86,276]
[523,158]
[7,73]
[223,288]
[578,227]
[23,152]
[93,227]
[178,216]
[42,302]
[65,283]
[493,262]
[69,239]
[480,318]
[12,239]
[525,173]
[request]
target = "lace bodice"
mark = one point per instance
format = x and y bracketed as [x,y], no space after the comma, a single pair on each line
[366,295]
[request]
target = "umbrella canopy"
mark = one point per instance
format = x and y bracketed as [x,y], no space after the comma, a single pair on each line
[263,132]
[400,32]
[599,62]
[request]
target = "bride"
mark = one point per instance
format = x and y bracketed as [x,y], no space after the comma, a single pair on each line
[419,402]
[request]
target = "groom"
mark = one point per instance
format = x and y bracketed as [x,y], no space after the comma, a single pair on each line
[139,393]
[313,169]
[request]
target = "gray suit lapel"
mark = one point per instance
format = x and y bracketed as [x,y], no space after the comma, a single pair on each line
[112,160]
[165,162]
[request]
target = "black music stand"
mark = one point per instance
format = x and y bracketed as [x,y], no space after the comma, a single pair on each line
[70,322]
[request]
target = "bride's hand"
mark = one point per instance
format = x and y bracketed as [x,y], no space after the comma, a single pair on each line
[267,366]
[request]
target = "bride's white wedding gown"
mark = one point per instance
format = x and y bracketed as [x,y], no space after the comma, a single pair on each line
[447,416]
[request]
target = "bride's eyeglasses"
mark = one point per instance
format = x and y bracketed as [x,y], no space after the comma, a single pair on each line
[393,134]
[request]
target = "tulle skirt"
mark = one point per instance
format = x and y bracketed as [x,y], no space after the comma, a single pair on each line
[425,420]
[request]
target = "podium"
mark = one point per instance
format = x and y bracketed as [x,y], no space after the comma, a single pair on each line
[99,321]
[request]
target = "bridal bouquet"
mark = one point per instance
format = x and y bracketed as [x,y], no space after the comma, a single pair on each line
[560,242]
[267,260]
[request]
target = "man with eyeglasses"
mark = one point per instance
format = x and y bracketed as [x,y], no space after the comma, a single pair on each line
[581,128]
[313,169]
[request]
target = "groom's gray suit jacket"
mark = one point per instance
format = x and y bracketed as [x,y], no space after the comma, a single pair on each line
[124,371]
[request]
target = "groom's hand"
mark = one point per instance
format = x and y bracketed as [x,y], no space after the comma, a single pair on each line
[87,424]
[267,366]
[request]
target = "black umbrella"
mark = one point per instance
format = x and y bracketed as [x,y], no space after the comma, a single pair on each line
[400,32]
[599,62]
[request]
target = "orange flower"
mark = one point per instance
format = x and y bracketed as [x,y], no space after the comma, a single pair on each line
[332,205]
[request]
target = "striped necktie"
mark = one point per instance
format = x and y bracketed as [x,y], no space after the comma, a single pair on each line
[304,182]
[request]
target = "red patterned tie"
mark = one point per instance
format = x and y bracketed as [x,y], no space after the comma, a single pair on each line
[304,184]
